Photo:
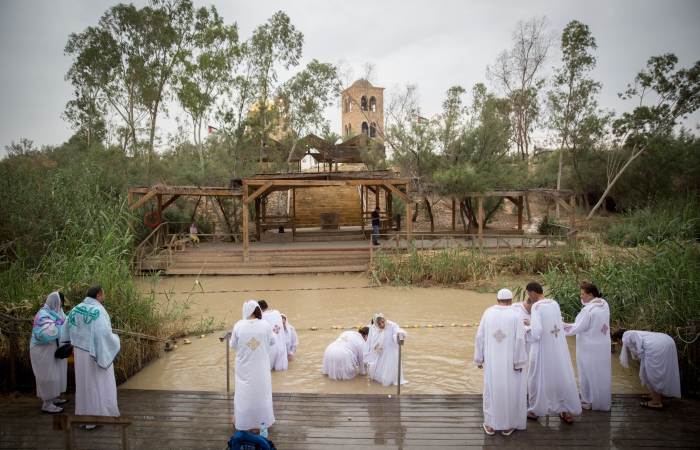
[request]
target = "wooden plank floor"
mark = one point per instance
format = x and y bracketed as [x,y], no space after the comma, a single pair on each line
[201,420]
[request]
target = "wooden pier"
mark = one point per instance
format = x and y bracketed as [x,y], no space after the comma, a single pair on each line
[202,420]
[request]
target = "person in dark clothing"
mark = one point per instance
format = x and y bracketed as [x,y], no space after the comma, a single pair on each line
[375,225]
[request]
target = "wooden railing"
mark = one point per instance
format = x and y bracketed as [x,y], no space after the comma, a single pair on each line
[400,242]
[12,327]
[151,246]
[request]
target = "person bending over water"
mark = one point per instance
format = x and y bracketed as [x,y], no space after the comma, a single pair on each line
[382,350]
[342,356]
[658,366]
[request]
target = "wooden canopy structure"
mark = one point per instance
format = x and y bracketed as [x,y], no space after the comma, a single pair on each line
[260,185]
[348,152]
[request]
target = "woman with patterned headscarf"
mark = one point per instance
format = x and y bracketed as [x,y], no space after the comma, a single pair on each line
[252,401]
[47,368]
[382,350]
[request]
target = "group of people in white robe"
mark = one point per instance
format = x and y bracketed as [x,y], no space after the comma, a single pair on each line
[89,330]
[522,348]
[374,349]
[264,340]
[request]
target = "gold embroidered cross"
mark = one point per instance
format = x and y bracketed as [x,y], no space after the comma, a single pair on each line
[253,344]
[378,349]
[555,331]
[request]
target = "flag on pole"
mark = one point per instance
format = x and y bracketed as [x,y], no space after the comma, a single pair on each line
[210,128]
[422,120]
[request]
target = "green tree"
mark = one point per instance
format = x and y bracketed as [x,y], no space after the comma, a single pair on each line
[207,70]
[675,95]
[303,100]
[573,116]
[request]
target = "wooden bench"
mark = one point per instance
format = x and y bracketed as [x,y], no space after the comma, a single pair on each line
[66,422]
[180,244]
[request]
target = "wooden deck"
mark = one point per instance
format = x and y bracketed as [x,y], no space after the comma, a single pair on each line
[194,420]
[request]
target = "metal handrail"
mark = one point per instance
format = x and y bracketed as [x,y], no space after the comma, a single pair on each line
[226,337]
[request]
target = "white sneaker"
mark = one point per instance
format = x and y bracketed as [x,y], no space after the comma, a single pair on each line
[53,409]
[585,405]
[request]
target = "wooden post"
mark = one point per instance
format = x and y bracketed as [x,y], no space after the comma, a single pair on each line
[520,213]
[409,214]
[572,222]
[294,217]
[257,219]
[390,209]
[362,210]
[244,214]
[454,223]
[481,222]
[376,197]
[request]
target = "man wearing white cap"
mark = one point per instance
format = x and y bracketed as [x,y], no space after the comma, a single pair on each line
[500,347]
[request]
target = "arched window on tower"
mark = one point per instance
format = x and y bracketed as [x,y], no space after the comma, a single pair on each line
[363,103]
[373,104]
[364,128]
[373,130]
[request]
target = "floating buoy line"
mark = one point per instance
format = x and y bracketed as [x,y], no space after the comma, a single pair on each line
[430,325]
[270,290]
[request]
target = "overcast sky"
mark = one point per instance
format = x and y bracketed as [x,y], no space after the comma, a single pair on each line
[435,44]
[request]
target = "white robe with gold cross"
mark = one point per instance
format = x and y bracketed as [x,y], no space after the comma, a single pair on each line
[252,400]
[500,348]
[551,379]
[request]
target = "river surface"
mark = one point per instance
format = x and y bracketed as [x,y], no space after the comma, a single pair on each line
[436,360]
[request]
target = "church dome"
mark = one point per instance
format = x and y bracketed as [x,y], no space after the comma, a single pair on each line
[362,82]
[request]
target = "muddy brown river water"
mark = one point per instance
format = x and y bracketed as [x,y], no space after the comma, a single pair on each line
[435,360]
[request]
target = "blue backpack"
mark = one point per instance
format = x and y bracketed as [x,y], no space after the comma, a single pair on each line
[243,440]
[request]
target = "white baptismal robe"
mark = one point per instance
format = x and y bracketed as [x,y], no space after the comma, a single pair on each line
[382,353]
[95,387]
[343,355]
[252,400]
[658,368]
[500,347]
[290,336]
[49,371]
[592,330]
[278,352]
[551,379]
[526,315]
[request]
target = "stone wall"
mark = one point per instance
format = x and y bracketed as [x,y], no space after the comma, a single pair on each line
[341,199]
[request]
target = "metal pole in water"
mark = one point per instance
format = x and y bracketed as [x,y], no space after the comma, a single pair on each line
[400,340]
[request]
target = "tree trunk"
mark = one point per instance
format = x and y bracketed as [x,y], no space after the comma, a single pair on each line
[462,217]
[429,209]
[612,183]
[415,213]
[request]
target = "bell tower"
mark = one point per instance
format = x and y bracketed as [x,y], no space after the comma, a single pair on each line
[362,110]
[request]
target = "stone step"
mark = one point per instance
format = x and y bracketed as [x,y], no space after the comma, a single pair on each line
[317,238]
[268,270]
[270,256]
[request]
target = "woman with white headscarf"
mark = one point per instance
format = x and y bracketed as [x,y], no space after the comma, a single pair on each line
[290,337]
[47,368]
[382,350]
[658,363]
[252,401]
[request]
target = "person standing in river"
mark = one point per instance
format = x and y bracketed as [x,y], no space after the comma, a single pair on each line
[382,350]
[252,338]
[278,352]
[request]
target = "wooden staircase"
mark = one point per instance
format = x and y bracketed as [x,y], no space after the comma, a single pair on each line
[269,262]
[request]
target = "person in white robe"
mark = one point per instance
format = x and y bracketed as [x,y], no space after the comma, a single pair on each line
[592,331]
[49,371]
[278,352]
[252,338]
[290,336]
[344,354]
[382,351]
[551,380]
[500,351]
[525,308]
[89,330]
[658,365]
